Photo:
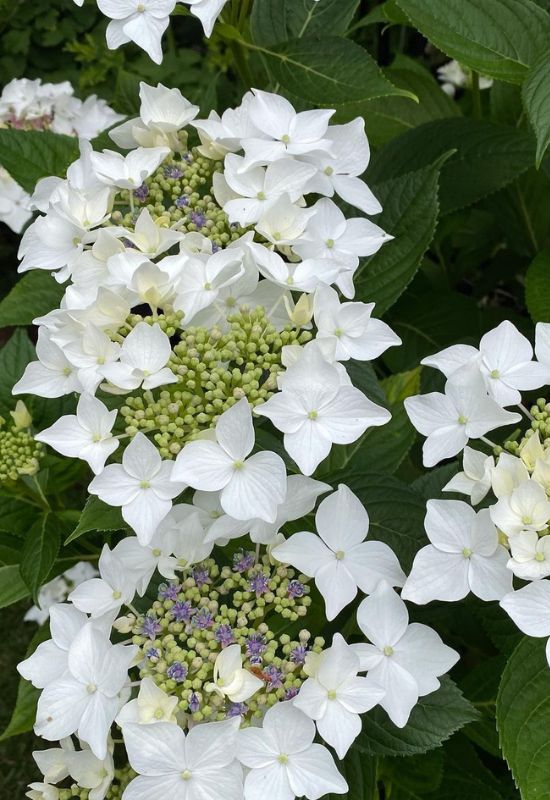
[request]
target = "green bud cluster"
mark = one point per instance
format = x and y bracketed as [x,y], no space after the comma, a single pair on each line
[20,454]
[122,778]
[214,608]
[180,194]
[215,369]
[540,423]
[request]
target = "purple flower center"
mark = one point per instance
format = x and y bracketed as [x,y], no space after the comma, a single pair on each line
[181,202]
[275,677]
[243,561]
[290,693]
[194,703]
[151,627]
[296,589]
[237,709]
[153,652]
[168,591]
[224,635]
[298,654]
[203,619]
[172,172]
[197,218]
[259,584]
[201,577]
[177,672]
[182,611]
[142,192]
[255,647]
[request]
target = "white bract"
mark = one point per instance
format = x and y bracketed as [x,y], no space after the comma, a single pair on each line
[464,555]
[338,558]
[315,410]
[86,435]
[335,695]
[527,508]
[251,486]
[143,358]
[404,659]
[475,479]
[504,358]
[142,22]
[450,420]
[530,559]
[230,679]
[86,698]
[143,486]
[152,705]
[198,766]
[281,755]
[351,327]
[114,588]
[529,608]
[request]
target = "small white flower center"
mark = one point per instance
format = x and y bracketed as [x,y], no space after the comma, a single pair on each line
[330,243]
[282,758]
[67,371]
[238,464]
[339,555]
[466,552]
[388,650]
[495,373]
[157,552]
[186,774]
[117,595]
[329,171]
[91,688]
[159,713]
[261,196]
[539,557]
[332,694]
[462,420]
[312,415]
[285,139]
[527,520]
[144,485]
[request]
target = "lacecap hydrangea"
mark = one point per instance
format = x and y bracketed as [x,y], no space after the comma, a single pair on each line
[205,262]
[37,106]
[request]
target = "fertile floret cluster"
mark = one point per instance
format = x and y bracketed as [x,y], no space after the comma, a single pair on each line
[20,453]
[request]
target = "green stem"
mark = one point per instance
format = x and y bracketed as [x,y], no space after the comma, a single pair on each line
[41,494]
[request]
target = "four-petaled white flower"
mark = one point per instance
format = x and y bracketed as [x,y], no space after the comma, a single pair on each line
[463,412]
[86,435]
[143,485]
[127,172]
[527,508]
[116,587]
[230,679]
[282,759]
[404,659]
[151,706]
[52,375]
[464,555]
[251,486]
[314,409]
[139,21]
[335,695]
[198,766]
[351,327]
[86,698]
[338,558]
[143,358]
[530,553]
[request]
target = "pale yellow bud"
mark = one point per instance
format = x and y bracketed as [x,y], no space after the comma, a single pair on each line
[302,313]
[21,417]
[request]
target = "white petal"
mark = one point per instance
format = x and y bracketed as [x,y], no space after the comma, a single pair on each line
[437,575]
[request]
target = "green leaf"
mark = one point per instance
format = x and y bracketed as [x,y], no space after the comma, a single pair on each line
[433,720]
[360,773]
[97,516]
[36,293]
[275,21]
[31,155]
[413,776]
[40,551]
[24,713]
[488,157]
[126,96]
[323,71]
[12,588]
[14,357]
[392,116]
[16,515]
[535,93]
[464,775]
[523,718]
[480,686]
[410,204]
[537,287]
[499,38]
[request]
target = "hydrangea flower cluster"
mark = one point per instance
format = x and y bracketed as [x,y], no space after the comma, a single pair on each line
[37,106]
[201,318]
[482,551]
